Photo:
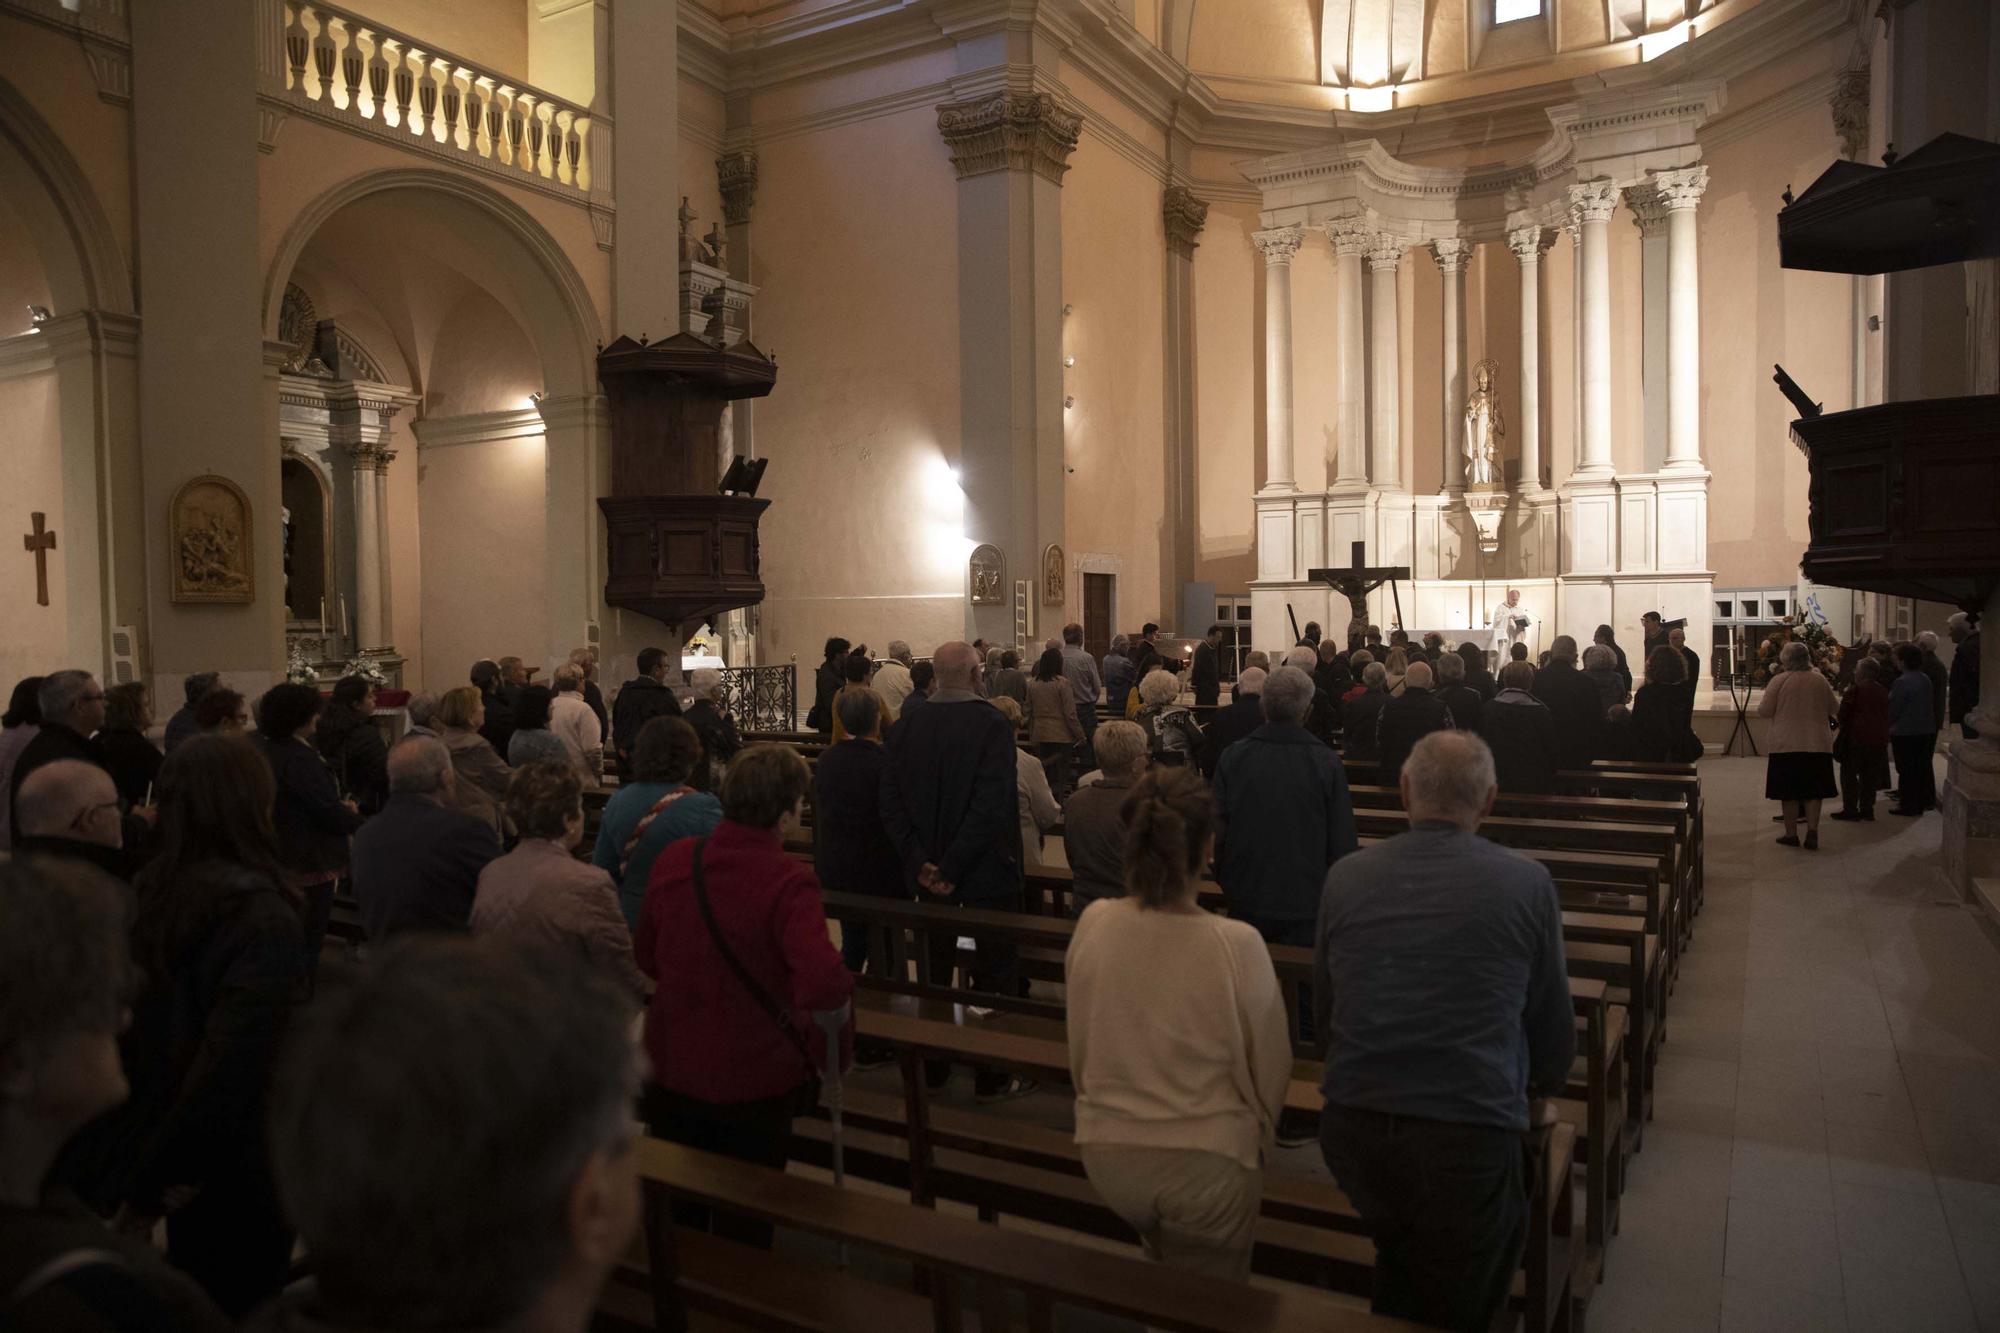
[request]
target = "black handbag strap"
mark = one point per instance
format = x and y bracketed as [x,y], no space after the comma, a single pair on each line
[778,1013]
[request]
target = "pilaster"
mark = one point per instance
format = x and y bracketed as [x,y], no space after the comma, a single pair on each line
[1010,149]
[577,440]
[1183,215]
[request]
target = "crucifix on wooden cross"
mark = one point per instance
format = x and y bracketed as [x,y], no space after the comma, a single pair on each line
[1359,578]
[40,542]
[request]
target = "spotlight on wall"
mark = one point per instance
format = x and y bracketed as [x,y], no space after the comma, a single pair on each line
[1069,360]
[38,315]
[743,476]
[1066,310]
[1069,400]
[535,398]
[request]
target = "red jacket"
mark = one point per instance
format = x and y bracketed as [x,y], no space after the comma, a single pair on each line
[1864,713]
[708,1037]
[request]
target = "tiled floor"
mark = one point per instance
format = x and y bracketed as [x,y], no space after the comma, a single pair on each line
[1826,1148]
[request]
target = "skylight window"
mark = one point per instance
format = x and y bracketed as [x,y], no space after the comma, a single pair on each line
[1509,11]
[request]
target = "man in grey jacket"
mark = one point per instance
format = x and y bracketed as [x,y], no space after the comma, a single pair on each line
[1439,980]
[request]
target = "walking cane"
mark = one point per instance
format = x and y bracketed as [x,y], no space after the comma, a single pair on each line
[831,1021]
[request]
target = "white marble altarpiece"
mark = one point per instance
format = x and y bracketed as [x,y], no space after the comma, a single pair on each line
[1602,546]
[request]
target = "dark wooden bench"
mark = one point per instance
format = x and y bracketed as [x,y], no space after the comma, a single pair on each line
[688,1274]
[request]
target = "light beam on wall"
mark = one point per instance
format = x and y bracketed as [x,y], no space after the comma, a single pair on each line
[941,520]
[1656,44]
[1382,98]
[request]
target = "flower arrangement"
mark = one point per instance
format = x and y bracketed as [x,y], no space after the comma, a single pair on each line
[1826,650]
[299,669]
[368,669]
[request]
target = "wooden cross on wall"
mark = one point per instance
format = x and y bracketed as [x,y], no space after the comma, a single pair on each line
[39,543]
[1359,579]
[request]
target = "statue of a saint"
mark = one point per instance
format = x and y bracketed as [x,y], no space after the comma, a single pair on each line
[1485,431]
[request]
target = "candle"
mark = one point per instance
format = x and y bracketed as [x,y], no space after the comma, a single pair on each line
[322,615]
[343,617]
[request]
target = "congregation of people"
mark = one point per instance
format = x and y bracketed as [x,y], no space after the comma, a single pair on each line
[206,1127]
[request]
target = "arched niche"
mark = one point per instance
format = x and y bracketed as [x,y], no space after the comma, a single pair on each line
[308,537]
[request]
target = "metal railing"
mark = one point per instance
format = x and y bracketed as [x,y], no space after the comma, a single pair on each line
[762,698]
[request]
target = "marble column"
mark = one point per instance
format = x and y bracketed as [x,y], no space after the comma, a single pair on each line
[1350,240]
[1592,204]
[367,625]
[1528,243]
[1451,253]
[385,608]
[1680,191]
[1385,435]
[1183,215]
[1279,245]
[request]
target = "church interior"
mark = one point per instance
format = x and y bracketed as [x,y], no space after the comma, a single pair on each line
[395,336]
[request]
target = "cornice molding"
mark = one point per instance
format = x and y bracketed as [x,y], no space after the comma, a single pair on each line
[477,428]
[1802,96]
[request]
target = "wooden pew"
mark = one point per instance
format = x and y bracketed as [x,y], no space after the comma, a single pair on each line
[1324,1245]
[899,929]
[687,1273]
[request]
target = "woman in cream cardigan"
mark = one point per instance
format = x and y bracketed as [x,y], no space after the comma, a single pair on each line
[1799,773]
[1178,1088]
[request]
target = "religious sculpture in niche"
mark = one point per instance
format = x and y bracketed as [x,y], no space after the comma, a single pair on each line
[1485,430]
[986,581]
[1053,572]
[209,525]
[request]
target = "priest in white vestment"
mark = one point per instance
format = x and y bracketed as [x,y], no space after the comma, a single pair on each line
[1512,623]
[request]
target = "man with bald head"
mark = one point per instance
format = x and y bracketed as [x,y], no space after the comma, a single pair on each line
[1438,975]
[948,804]
[70,808]
[417,863]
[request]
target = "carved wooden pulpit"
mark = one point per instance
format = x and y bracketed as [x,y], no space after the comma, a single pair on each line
[677,550]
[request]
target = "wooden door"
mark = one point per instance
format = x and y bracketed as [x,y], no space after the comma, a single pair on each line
[1097,614]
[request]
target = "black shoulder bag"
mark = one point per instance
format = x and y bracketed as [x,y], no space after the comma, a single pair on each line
[763,997]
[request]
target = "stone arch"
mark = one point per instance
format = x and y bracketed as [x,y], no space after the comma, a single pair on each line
[558,314]
[86,268]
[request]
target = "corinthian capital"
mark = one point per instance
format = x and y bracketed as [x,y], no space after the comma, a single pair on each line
[1451,252]
[1010,131]
[1649,208]
[1279,244]
[1185,216]
[1385,251]
[1680,188]
[736,177]
[1350,237]
[1593,201]
[1528,243]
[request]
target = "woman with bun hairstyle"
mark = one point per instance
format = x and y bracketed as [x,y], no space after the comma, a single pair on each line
[1178,1087]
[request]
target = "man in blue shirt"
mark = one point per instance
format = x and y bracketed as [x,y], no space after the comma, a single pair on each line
[1440,984]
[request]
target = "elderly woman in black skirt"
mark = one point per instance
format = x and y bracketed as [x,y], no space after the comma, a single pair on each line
[1799,773]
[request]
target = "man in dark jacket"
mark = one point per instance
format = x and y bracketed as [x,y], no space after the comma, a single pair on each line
[70,808]
[1206,677]
[1332,674]
[1940,678]
[1573,703]
[643,698]
[498,729]
[948,801]
[1282,814]
[1244,715]
[1964,678]
[1465,702]
[416,865]
[1521,732]
[1407,719]
[182,724]
[72,704]
[1360,714]
[852,850]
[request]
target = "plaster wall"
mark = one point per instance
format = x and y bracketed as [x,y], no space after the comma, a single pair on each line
[490,33]
[22,281]
[855,240]
[37,637]
[483,538]
[1114,258]
[1229,403]
[481,361]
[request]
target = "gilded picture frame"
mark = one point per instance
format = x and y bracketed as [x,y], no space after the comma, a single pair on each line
[213,552]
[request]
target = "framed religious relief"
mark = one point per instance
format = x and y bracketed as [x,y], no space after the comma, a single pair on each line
[986,570]
[213,539]
[1054,574]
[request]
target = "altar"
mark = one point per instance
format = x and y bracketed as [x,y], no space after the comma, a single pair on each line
[1586,537]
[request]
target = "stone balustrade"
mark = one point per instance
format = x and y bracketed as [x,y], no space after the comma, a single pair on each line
[353,71]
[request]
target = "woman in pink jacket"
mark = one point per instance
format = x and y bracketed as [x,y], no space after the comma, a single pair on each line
[1799,773]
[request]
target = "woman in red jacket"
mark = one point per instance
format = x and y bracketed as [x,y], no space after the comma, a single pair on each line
[735,937]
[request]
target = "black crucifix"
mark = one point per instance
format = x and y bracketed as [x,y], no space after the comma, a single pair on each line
[1359,579]
[39,543]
